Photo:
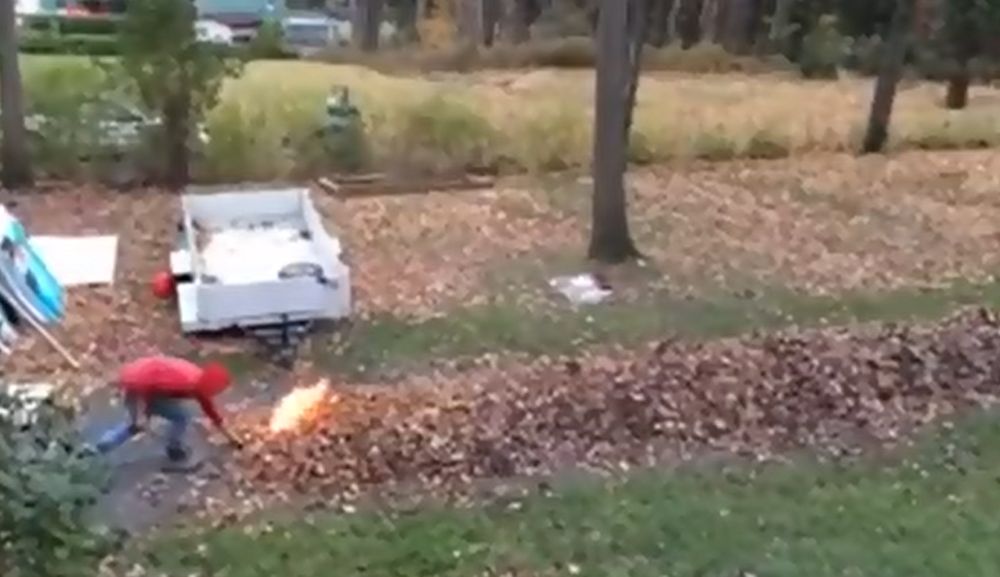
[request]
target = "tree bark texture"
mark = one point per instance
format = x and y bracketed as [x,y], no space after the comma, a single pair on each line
[367,23]
[515,24]
[708,20]
[492,15]
[659,22]
[890,72]
[957,96]
[740,29]
[610,240]
[15,158]
[689,22]
[470,21]
[780,21]
[177,134]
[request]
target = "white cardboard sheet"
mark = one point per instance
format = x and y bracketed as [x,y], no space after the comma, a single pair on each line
[79,260]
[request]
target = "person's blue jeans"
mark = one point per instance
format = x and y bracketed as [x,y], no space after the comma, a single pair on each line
[172,410]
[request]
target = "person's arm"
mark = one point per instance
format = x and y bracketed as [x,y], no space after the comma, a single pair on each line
[212,412]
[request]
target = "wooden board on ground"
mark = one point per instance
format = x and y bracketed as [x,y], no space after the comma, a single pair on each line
[378,185]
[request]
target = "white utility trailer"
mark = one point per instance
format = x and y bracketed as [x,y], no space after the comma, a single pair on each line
[257,259]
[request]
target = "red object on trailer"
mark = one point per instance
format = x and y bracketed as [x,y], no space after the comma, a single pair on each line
[164,286]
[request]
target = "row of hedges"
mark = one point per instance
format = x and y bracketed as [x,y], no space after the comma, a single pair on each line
[824,53]
[73,25]
[76,44]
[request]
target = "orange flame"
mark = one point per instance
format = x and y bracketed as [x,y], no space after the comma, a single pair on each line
[298,406]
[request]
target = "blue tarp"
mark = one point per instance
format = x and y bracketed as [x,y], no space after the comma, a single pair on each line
[24,278]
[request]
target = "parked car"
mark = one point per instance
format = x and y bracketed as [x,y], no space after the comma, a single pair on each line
[305,33]
[214,32]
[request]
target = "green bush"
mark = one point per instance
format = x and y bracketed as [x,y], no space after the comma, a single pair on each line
[566,52]
[107,26]
[245,145]
[47,488]
[765,144]
[713,144]
[550,139]
[83,45]
[864,54]
[61,95]
[823,49]
[440,134]
[268,43]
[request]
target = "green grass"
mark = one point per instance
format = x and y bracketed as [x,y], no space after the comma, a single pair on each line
[929,512]
[393,342]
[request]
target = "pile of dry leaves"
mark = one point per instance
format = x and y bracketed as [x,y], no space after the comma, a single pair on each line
[833,389]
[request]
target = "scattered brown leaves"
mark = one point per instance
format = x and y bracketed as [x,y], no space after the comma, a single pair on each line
[415,256]
[832,389]
[826,223]
[104,326]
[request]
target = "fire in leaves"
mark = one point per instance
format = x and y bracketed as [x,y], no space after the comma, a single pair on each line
[299,407]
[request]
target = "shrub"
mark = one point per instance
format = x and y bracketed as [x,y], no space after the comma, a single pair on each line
[441,134]
[953,133]
[318,149]
[549,139]
[571,52]
[567,52]
[245,145]
[268,43]
[823,49]
[561,19]
[864,54]
[83,45]
[178,78]
[61,96]
[713,144]
[107,26]
[640,149]
[765,144]
[47,488]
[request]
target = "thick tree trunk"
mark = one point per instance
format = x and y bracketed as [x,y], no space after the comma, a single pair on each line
[610,240]
[659,22]
[708,20]
[638,26]
[673,31]
[515,25]
[470,21]
[177,133]
[957,97]
[406,20]
[740,17]
[689,22]
[492,14]
[778,30]
[877,132]
[15,158]
[366,24]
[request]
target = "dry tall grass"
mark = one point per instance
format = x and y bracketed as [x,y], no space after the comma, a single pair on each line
[541,119]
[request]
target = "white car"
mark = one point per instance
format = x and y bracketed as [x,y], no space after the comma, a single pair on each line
[213,32]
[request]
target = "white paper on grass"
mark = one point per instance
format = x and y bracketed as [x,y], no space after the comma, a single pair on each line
[78,260]
[581,289]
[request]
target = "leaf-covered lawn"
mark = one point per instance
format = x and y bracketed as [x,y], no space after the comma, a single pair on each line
[926,512]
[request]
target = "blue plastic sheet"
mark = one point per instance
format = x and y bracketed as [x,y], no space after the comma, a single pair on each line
[24,277]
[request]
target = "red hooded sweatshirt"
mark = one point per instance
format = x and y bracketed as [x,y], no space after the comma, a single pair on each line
[170,377]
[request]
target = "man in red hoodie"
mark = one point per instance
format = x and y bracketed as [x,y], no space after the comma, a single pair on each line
[160,385]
